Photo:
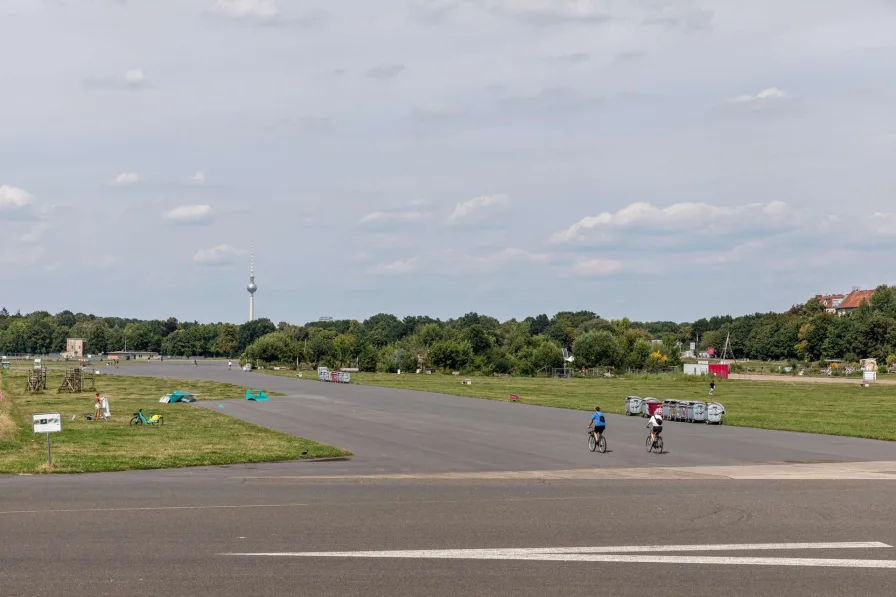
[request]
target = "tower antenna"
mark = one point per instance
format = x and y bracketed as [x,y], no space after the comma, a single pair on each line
[252,287]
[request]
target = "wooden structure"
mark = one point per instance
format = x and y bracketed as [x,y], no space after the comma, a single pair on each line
[37,379]
[75,381]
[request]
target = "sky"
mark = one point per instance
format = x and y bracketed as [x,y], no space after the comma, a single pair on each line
[650,159]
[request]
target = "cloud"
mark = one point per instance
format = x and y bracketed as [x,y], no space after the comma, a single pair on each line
[548,12]
[190,214]
[762,99]
[247,9]
[687,19]
[386,71]
[680,217]
[198,177]
[573,58]
[437,113]
[433,10]
[464,209]
[125,179]
[628,57]
[217,255]
[883,224]
[591,266]
[14,197]
[552,99]
[35,233]
[19,205]
[394,216]
[488,263]
[131,79]
[398,267]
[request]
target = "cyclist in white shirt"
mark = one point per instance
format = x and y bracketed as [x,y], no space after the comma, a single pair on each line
[655,425]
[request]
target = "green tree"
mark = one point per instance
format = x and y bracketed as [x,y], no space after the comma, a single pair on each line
[639,355]
[227,343]
[594,349]
[251,331]
[451,355]
[275,347]
[96,339]
[547,356]
[345,349]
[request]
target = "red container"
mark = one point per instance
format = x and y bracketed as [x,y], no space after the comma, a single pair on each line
[514,398]
[719,370]
[333,377]
[653,407]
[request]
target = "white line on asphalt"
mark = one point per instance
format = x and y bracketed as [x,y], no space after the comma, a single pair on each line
[648,559]
[590,554]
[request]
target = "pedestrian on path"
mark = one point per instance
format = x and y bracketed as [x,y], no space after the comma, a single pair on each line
[712,387]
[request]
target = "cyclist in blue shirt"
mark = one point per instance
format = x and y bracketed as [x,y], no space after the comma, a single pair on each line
[598,423]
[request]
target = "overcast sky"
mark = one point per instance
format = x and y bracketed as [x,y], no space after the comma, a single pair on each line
[656,159]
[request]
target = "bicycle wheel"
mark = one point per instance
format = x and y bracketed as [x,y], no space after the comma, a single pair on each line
[649,444]
[135,421]
[602,444]
[659,445]
[592,444]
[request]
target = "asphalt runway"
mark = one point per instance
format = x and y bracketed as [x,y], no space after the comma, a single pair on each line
[409,516]
[393,431]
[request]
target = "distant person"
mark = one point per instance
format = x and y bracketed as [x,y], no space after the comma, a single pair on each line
[229,365]
[712,387]
[598,423]
[97,406]
[195,363]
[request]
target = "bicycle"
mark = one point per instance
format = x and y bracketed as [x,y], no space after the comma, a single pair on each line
[140,419]
[656,444]
[596,444]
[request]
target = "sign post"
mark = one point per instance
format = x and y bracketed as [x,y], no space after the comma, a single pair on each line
[47,423]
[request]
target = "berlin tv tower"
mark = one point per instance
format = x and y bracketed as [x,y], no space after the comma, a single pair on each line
[252,287]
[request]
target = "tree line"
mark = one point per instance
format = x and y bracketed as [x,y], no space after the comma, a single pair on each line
[474,342]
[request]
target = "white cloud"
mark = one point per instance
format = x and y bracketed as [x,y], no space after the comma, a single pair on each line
[884,224]
[134,77]
[217,255]
[401,266]
[251,9]
[394,216]
[681,217]
[762,99]
[189,213]
[198,177]
[466,208]
[14,197]
[35,233]
[484,263]
[585,266]
[125,179]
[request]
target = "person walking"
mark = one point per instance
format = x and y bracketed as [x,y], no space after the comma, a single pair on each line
[712,387]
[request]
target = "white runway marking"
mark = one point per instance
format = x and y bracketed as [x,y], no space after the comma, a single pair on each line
[613,554]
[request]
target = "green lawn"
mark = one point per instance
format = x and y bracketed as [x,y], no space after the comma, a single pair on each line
[191,436]
[834,409]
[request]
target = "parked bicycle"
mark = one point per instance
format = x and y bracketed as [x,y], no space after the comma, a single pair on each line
[596,444]
[140,419]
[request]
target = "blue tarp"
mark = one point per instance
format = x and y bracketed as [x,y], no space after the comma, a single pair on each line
[180,397]
[256,395]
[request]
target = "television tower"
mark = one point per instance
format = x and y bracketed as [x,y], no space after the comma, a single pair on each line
[252,287]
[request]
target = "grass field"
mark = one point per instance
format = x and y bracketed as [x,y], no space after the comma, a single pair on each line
[834,409]
[190,436]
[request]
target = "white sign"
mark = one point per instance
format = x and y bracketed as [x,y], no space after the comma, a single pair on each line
[693,346]
[46,423]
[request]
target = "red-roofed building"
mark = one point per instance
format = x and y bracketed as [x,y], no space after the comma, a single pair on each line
[853,300]
[830,301]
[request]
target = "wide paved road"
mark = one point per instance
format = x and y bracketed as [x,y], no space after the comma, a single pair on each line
[693,526]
